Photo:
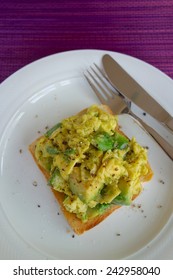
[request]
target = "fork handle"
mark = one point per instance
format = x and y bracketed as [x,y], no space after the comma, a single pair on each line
[168,148]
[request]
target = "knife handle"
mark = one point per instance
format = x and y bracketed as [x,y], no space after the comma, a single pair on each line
[168,148]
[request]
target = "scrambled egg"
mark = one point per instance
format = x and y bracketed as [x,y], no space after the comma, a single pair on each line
[92,163]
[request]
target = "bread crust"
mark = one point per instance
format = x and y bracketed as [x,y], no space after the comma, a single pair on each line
[76,224]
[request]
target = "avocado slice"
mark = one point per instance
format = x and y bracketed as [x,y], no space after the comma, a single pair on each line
[98,210]
[128,190]
[108,193]
[52,129]
[86,190]
[125,197]
[122,199]
[104,141]
[120,141]
[58,183]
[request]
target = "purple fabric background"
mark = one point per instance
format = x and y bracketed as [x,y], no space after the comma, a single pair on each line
[31,29]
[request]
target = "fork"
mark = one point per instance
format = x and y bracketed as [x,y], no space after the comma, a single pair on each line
[119,105]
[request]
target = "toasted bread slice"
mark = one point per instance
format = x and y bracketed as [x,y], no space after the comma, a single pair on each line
[76,224]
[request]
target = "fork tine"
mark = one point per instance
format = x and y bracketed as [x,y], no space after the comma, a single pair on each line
[99,84]
[102,100]
[112,93]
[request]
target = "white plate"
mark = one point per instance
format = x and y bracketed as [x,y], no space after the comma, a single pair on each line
[32,226]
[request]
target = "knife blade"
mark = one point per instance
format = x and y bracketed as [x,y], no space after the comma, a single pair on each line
[133,91]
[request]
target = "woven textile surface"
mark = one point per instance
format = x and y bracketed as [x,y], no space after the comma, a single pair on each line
[30,30]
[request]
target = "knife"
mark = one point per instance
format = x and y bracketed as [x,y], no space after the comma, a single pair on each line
[131,90]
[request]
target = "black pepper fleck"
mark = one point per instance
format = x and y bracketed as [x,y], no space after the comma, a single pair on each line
[144,114]
[73,236]
[20,151]
[35,184]
[159,206]
[161,181]
[38,205]
[146,147]
[118,234]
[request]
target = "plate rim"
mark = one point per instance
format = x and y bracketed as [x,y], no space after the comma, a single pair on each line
[13,76]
